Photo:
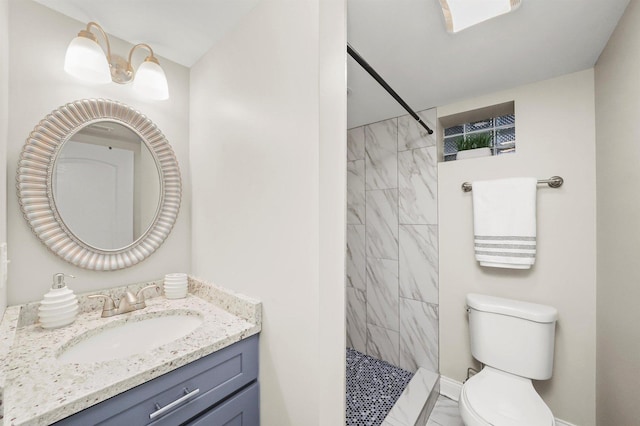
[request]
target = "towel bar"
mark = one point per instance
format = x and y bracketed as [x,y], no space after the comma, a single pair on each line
[553,182]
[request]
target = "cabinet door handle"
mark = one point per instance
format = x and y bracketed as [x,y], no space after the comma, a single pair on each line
[162,410]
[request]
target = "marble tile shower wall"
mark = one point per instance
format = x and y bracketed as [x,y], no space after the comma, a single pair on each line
[392,242]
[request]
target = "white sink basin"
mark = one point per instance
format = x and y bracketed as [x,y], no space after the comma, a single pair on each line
[121,339]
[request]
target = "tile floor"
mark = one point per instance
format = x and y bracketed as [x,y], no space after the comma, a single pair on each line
[445,413]
[373,387]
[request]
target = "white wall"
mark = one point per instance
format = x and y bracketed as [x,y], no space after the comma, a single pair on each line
[617,85]
[555,136]
[332,153]
[268,159]
[38,38]
[4,123]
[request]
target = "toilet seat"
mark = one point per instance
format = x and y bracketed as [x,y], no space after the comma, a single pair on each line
[495,398]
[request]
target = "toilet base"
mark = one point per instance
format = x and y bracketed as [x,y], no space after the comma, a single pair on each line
[496,398]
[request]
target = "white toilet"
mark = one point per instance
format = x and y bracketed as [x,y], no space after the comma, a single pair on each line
[514,340]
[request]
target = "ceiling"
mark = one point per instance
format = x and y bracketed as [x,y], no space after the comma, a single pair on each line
[404,40]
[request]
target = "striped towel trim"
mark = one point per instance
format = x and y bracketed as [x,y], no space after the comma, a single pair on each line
[511,249]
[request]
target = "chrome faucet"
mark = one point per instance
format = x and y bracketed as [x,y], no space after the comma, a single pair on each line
[128,303]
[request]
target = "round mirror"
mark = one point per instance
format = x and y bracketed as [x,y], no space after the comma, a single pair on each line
[99,184]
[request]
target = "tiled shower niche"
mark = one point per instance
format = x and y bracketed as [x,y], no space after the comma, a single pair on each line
[392,242]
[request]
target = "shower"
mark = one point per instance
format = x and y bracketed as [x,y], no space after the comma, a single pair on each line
[392,260]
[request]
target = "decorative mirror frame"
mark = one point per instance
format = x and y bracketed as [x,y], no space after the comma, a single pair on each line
[35,192]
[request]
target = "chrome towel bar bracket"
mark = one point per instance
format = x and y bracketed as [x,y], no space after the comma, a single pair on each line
[553,182]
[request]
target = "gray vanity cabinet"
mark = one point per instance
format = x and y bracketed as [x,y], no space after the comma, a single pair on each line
[220,389]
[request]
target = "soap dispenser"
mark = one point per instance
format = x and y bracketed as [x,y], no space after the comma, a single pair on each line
[59,306]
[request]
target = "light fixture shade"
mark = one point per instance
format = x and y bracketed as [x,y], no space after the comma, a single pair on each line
[461,14]
[150,81]
[86,61]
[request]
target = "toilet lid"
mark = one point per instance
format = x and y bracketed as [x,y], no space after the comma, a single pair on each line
[502,399]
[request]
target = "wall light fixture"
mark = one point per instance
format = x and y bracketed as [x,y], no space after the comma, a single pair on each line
[86,60]
[461,14]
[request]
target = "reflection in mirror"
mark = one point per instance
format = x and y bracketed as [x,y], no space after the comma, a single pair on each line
[106,185]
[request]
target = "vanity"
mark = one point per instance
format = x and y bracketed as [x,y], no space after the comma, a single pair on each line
[208,376]
[100,187]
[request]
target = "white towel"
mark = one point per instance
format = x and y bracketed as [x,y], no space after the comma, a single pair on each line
[504,222]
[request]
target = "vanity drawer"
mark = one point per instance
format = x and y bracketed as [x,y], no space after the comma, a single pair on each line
[190,390]
[242,409]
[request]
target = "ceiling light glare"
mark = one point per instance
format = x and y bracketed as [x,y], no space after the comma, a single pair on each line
[86,61]
[150,81]
[461,14]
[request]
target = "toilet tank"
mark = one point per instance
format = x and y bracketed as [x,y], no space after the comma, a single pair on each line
[512,336]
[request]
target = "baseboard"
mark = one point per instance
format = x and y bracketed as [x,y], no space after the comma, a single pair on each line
[451,389]
[563,423]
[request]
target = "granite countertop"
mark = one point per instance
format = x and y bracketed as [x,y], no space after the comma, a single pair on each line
[38,389]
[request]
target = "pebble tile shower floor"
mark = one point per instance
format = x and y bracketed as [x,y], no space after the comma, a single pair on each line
[373,387]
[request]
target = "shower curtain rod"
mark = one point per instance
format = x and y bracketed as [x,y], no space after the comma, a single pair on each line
[364,64]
